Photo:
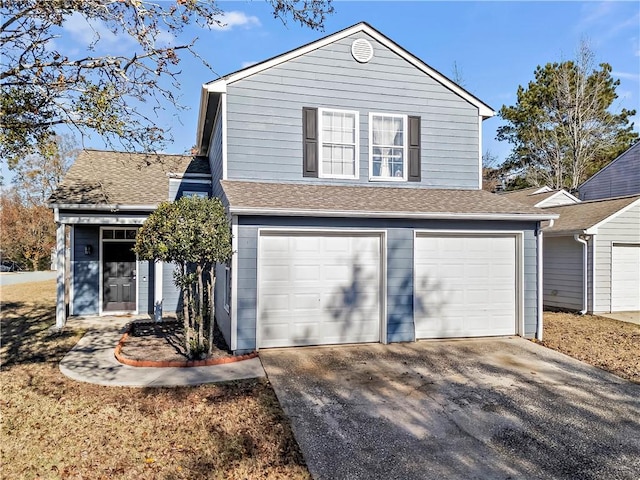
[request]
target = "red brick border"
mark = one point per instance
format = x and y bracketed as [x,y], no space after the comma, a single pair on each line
[132,362]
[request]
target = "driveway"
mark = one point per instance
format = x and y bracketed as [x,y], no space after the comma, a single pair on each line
[469,409]
[13,278]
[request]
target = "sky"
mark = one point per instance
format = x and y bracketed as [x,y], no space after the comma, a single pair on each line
[495,46]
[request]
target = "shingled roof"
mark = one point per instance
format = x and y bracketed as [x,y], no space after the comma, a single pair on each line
[579,217]
[100,177]
[305,199]
[528,195]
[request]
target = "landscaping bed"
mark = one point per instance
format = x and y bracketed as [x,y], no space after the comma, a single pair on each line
[54,427]
[602,342]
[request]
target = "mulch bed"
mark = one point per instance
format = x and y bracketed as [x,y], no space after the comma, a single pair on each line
[164,342]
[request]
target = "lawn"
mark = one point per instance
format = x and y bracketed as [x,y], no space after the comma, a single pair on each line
[54,427]
[604,343]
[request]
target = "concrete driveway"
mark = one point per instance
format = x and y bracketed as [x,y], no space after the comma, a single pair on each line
[470,409]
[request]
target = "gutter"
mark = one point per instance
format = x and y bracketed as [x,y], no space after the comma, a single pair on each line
[540,319]
[580,239]
[373,214]
[100,207]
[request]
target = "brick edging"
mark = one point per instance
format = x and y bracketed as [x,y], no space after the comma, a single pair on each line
[132,362]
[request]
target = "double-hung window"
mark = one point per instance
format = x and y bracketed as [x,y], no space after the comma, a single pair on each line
[338,132]
[388,147]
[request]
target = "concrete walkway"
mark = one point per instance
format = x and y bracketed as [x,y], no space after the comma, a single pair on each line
[630,317]
[92,360]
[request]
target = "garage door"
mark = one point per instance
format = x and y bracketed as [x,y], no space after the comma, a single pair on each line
[318,289]
[625,278]
[465,285]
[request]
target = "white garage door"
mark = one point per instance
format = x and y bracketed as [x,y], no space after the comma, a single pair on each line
[625,278]
[317,289]
[465,286]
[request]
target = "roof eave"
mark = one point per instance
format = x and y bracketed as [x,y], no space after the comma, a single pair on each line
[376,214]
[104,207]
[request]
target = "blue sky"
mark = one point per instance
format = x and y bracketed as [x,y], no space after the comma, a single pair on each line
[495,45]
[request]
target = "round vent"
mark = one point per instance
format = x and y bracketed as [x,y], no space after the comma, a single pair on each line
[362,50]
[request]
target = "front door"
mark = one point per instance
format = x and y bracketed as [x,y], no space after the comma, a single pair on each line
[119,277]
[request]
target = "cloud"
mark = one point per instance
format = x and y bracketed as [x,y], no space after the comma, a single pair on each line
[88,31]
[626,76]
[247,64]
[165,39]
[234,19]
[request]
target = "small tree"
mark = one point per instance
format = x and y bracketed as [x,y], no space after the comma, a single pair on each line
[194,234]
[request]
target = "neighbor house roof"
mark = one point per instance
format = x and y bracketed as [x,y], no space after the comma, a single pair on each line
[536,196]
[106,178]
[255,198]
[580,217]
[211,91]
[612,163]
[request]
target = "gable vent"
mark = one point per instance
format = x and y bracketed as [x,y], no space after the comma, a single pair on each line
[362,50]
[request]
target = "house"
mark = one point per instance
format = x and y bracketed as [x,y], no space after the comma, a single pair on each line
[592,256]
[620,178]
[352,174]
[103,199]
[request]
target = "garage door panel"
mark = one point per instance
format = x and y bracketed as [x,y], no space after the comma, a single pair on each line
[332,285]
[465,285]
[625,278]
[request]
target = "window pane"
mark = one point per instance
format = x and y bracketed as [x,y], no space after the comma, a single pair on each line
[338,143]
[107,234]
[131,234]
[119,234]
[387,158]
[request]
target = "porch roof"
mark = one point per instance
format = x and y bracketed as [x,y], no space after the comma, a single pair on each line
[100,178]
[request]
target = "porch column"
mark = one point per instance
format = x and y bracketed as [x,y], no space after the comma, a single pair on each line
[61,316]
[157,292]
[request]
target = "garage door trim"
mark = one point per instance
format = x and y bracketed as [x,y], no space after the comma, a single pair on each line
[519,275]
[381,234]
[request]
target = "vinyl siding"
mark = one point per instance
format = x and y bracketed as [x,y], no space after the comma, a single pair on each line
[171,298]
[621,177]
[563,273]
[145,271]
[215,157]
[86,271]
[222,316]
[559,200]
[625,228]
[399,272]
[264,129]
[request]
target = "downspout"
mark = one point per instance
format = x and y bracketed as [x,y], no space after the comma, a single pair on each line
[540,273]
[578,238]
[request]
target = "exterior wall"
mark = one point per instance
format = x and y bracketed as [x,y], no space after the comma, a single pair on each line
[86,271]
[563,273]
[215,157]
[145,274]
[399,272]
[625,228]
[177,187]
[222,316]
[264,129]
[171,298]
[621,177]
[559,200]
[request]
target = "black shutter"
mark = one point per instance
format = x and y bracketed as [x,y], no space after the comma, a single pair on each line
[414,149]
[310,142]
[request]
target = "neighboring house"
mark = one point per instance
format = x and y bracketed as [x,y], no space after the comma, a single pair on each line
[620,178]
[541,197]
[352,175]
[592,256]
[103,199]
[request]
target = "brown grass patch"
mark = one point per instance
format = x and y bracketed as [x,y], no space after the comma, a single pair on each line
[602,342]
[54,427]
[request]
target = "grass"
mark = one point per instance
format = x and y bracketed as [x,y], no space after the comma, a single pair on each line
[602,342]
[54,427]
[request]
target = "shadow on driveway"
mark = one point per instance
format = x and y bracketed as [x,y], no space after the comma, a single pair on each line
[489,408]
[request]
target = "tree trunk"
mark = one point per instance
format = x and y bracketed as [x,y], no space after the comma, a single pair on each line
[200,316]
[185,312]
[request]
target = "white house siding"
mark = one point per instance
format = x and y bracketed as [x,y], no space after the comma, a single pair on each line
[562,199]
[215,157]
[625,228]
[265,115]
[621,177]
[563,273]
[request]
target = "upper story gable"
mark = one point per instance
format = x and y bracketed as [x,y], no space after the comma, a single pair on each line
[620,178]
[351,108]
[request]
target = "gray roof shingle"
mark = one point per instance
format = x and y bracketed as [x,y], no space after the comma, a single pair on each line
[119,178]
[383,201]
[581,216]
[528,195]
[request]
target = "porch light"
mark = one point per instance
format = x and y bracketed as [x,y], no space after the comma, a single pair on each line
[88,249]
